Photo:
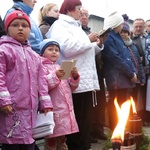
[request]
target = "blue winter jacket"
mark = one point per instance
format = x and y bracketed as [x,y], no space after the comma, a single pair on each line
[118,66]
[35,34]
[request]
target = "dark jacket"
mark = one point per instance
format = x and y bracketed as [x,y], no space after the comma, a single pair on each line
[147,55]
[137,42]
[86,29]
[137,63]
[46,24]
[2,31]
[118,66]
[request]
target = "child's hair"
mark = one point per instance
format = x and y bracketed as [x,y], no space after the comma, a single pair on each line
[15,15]
[43,10]
[47,42]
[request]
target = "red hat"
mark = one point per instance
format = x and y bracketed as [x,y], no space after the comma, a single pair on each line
[16,15]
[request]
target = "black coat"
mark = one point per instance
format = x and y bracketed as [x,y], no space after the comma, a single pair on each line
[137,63]
[2,31]
[138,44]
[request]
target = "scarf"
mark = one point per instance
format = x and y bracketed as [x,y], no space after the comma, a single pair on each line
[49,20]
[128,41]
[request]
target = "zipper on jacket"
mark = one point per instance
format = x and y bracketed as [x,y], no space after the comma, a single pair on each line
[94,98]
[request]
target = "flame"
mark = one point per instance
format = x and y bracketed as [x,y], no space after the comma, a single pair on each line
[133,106]
[123,114]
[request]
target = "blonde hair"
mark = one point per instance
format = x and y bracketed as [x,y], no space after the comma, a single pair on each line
[43,10]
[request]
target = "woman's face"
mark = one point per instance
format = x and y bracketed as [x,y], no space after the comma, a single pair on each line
[53,12]
[118,29]
[30,3]
[76,13]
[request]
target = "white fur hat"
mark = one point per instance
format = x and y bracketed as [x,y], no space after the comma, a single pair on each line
[113,20]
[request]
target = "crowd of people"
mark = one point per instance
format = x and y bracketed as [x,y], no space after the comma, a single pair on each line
[31,76]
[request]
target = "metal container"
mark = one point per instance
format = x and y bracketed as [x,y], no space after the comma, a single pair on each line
[128,143]
[135,129]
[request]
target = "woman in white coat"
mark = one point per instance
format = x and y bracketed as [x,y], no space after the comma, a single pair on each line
[75,44]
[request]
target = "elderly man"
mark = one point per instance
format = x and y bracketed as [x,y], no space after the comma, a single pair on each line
[98,122]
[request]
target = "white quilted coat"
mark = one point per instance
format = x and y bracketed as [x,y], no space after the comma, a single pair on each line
[75,44]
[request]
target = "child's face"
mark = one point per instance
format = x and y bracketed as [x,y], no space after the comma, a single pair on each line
[19,29]
[124,35]
[52,53]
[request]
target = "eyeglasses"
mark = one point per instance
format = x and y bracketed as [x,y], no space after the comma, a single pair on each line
[15,118]
[78,7]
[84,14]
[17,25]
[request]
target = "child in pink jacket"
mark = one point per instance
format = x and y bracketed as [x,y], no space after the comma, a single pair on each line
[61,95]
[22,85]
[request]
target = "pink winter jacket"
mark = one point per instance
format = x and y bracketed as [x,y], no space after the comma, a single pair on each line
[22,84]
[61,96]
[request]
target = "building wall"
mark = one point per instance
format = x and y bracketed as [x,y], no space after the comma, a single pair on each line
[96,23]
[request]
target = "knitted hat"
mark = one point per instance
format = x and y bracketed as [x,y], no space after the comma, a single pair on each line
[15,15]
[113,21]
[47,42]
[125,25]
